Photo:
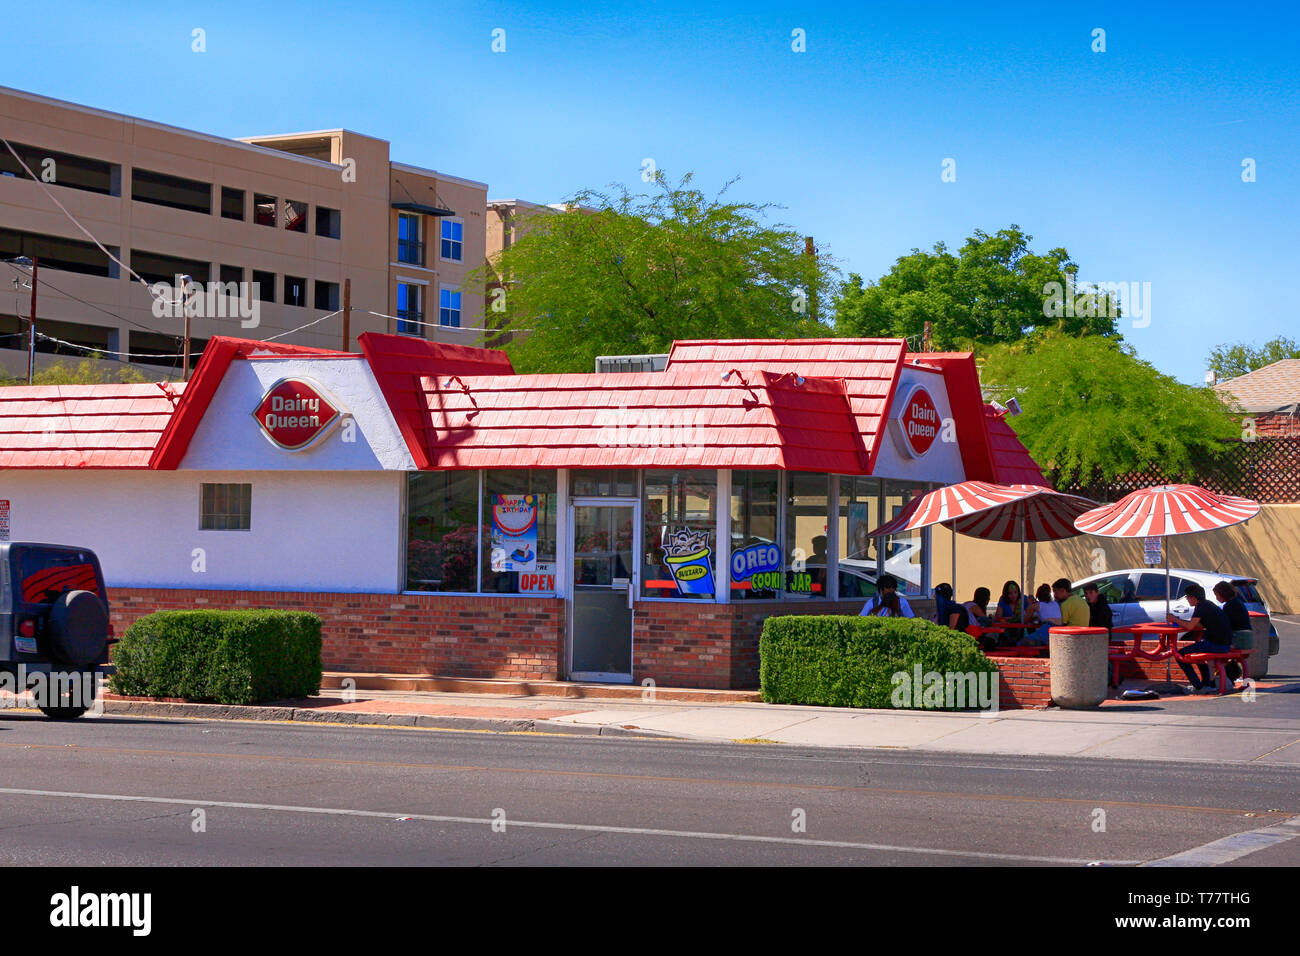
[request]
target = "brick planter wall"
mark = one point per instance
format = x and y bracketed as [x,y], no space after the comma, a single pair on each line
[449,636]
[1023,682]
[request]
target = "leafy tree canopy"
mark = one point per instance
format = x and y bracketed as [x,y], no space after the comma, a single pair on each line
[90,371]
[628,273]
[1229,361]
[1090,405]
[993,290]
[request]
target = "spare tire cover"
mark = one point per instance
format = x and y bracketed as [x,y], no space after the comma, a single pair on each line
[78,628]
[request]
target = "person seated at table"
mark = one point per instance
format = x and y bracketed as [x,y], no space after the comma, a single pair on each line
[1099,613]
[1047,613]
[947,611]
[888,606]
[886,584]
[1074,609]
[978,608]
[1243,635]
[1012,606]
[1211,625]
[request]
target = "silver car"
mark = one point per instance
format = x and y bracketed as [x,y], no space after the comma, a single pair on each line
[1138,594]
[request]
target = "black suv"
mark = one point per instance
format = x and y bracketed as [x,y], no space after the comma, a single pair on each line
[54,622]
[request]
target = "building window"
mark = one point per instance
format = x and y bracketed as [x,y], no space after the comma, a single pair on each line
[410,318]
[157,267]
[232,276]
[232,203]
[442,532]
[757,569]
[410,248]
[329,223]
[295,216]
[295,291]
[264,208]
[67,169]
[449,307]
[859,561]
[55,252]
[526,563]
[603,483]
[225,507]
[264,284]
[327,296]
[807,517]
[174,191]
[903,553]
[680,514]
[453,236]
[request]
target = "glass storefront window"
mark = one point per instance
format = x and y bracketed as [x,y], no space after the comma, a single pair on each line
[442,531]
[807,516]
[859,516]
[519,535]
[680,517]
[757,569]
[903,552]
[603,483]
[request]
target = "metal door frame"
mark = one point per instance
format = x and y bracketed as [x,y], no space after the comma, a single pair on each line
[634,585]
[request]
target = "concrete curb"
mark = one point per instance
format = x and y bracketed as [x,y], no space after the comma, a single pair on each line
[515,725]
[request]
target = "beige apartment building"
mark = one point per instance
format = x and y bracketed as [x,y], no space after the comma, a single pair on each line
[268,227]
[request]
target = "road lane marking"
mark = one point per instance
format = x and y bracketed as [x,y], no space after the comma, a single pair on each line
[649,778]
[1234,847]
[547,825]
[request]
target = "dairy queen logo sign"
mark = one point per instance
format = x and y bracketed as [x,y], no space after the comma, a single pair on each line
[294,413]
[918,422]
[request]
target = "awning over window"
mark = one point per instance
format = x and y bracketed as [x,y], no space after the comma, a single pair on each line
[424,209]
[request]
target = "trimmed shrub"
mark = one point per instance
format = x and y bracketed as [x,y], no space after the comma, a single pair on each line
[851,661]
[229,657]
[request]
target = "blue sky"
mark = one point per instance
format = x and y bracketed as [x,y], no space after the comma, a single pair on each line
[1130,158]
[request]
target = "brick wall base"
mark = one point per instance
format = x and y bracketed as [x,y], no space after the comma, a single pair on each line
[449,636]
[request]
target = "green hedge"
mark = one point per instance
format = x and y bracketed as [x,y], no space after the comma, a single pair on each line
[851,661]
[230,657]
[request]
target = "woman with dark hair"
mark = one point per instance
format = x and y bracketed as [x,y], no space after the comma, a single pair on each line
[889,606]
[1012,606]
[1243,635]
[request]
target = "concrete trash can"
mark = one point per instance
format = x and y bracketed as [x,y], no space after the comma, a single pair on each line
[1257,664]
[1079,663]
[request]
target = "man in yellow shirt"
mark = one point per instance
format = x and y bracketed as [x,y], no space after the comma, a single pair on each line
[1074,609]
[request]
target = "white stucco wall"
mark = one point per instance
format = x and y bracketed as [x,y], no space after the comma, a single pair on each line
[942,463]
[311,531]
[229,437]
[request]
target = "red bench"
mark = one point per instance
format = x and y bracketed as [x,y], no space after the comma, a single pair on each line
[1220,662]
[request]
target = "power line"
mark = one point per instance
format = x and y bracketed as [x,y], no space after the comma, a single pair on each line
[46,282]
[439,325]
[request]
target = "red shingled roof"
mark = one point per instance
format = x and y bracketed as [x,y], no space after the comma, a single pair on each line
[400,365]
[682,418]
[83,426]
[868,367]
[1012,463]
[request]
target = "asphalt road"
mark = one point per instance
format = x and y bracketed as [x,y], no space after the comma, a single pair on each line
[124,791]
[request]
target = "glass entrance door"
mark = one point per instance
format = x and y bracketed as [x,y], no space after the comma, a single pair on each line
[604,585]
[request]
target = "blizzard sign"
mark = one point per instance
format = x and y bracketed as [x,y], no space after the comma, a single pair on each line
[760,565]
[918,423]
[294,413]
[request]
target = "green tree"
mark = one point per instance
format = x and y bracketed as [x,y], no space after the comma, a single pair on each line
[1229,361]
[89,371]
[628,273]
[1090,406]
[993,290]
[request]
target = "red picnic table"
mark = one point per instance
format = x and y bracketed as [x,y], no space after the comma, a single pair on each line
[1166,649]
[1000,627]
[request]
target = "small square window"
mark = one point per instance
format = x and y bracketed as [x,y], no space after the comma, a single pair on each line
[295,216]
[329,222]
[264,209]
[449,308]
[265,283]
[232,203]
[232,274]
[453,240]
[295,291]
[225,507]
[327,296]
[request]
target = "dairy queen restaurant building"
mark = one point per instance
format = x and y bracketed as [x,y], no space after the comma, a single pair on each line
[446,516]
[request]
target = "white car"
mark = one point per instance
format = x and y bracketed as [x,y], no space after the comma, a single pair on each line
[1138,594]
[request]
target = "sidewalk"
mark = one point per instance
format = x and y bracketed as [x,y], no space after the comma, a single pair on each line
[1222,730]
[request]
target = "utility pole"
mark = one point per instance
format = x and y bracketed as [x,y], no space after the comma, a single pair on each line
[926,340]
[184,282]
[810,249]
[347,315]
[31,325]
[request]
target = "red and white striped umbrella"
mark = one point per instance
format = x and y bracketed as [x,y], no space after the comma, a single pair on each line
[1166,510]
[981,509]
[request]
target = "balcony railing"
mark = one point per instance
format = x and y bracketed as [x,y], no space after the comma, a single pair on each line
[410,322]
[411,251]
